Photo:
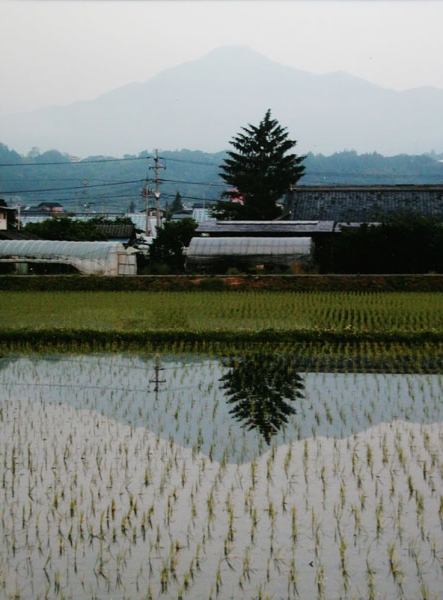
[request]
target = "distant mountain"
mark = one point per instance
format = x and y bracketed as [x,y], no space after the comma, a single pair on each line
[202,104]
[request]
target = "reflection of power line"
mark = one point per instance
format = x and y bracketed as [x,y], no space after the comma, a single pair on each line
[76,386]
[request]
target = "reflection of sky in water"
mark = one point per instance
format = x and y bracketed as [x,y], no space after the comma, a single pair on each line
[180,398]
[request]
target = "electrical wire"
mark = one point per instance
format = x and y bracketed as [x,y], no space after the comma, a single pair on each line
[74,162]
[81,187]
[191,162]
[192,182]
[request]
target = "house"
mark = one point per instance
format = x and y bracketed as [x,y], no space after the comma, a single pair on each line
[6,215]
[8,231]
[182,214]
[45,208]
[353,206]
[118,232]
[200,212]
[317,213]
[362,204]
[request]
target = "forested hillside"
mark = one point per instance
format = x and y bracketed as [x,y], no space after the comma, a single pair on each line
[106,184]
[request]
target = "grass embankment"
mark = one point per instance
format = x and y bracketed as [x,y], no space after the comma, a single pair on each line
[352,324]
[247,283]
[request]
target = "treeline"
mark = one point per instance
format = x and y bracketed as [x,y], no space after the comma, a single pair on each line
[403,244]
[350,168]
[105,184]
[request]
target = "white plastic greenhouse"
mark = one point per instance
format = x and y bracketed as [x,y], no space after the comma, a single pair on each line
[100,258]
[247,251]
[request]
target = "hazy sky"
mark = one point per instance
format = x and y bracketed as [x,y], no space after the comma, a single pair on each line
[61,51]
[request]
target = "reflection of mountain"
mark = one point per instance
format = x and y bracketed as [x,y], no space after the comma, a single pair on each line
[189,409]
[260,388]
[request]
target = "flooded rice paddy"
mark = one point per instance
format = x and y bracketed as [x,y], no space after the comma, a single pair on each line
[131,476]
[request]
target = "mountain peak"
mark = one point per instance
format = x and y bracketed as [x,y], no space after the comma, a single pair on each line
[235,52]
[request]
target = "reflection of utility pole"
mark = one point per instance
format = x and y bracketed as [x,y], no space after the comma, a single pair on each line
[157,167]
[157,379]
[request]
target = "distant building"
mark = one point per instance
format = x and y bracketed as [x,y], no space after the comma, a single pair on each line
[44,209]
[200,212]
[6,215]
[234,196]
[8,230]
[124,233]
[182,214]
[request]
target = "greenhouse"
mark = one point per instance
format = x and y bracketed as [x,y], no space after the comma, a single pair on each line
[220,253]
[98,258]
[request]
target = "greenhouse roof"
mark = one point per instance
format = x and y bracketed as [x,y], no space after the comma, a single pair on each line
[243,246]
[48,249]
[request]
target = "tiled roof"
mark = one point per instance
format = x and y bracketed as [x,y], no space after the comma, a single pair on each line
[14,234]
[363,203]
[116,231]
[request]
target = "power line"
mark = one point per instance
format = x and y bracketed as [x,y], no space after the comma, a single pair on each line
[73,162]
[82,187]
[193,182]
[193,162]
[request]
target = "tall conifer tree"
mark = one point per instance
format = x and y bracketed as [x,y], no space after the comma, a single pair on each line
[260,169]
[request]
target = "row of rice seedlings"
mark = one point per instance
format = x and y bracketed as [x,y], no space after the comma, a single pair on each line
[95,506]
[233,311]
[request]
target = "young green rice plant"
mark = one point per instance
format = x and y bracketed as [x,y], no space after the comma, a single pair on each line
[294,529]
[370,578]
[320,581]
[394,565]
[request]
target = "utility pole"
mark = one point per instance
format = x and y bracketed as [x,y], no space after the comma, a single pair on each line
[145,192]
[85,195]
[157,167]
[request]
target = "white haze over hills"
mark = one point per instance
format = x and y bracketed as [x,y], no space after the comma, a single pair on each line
[202,104]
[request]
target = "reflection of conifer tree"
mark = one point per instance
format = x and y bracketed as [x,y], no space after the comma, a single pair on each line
[260,387]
